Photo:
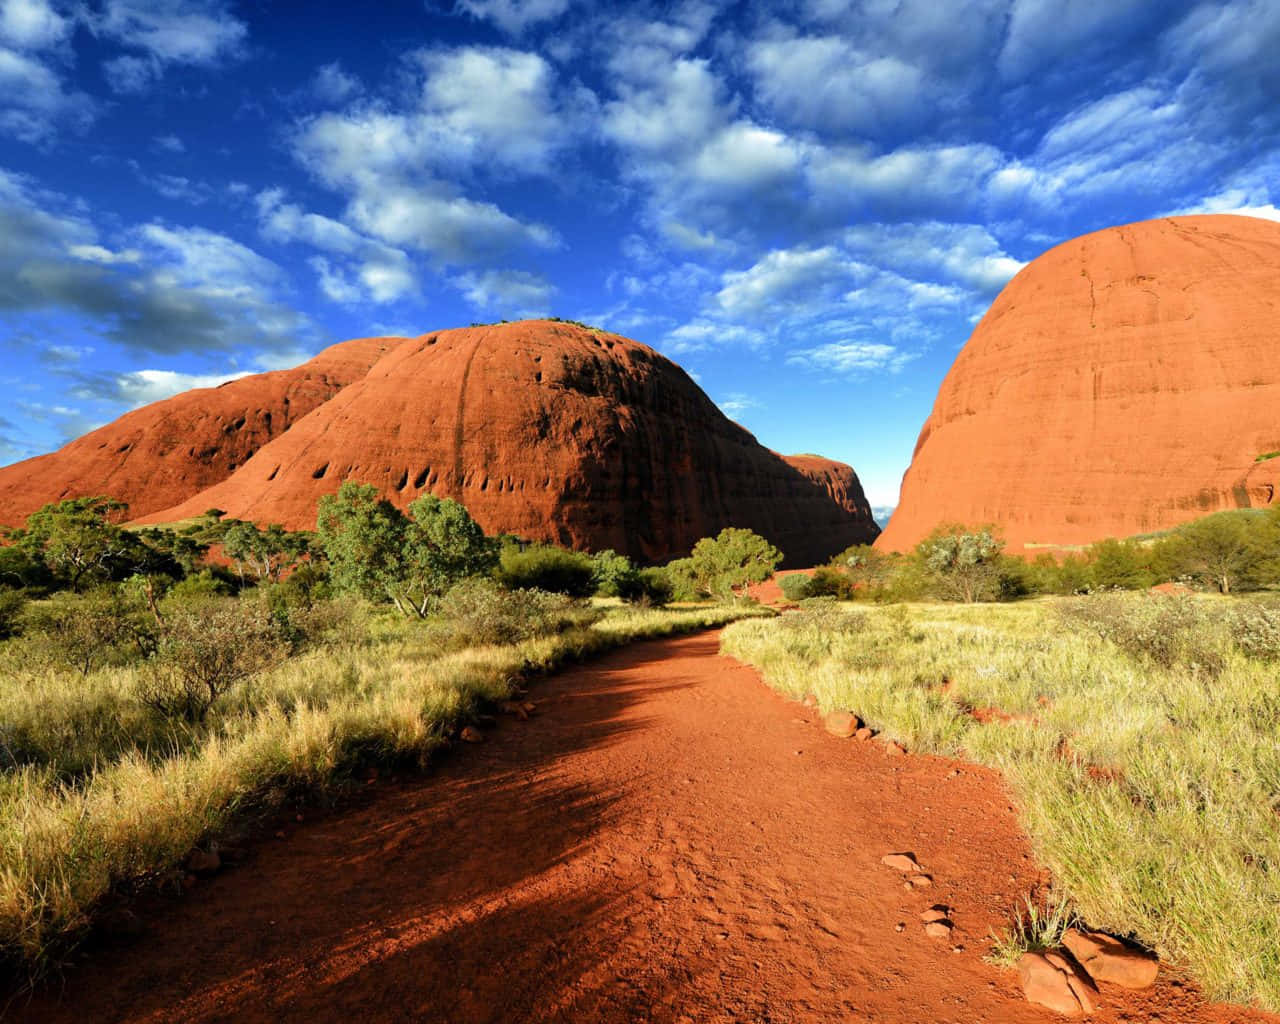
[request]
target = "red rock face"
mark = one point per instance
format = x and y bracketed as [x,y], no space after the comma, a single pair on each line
[165,452]
[1124,382]
[552,432]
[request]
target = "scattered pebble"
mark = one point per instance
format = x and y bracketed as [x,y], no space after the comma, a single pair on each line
[920,881]
[470,734]
[903,862]
[900,926]
[841,723]
[938,929]
[864,733]
[935,913]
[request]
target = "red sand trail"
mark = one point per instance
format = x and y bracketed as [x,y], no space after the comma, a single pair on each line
[666,840]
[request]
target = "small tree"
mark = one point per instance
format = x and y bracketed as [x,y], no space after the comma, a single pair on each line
[732,561]
[267,554]
[1223,550]
[614,574]
[1120,563]
[965,566]
[77,539]
[362,535]
[442,546]
[204,652]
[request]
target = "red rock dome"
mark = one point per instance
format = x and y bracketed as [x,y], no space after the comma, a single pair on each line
[165,452]
[1124,382]
[553,432]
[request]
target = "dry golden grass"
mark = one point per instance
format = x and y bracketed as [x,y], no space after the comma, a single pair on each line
[1152,792]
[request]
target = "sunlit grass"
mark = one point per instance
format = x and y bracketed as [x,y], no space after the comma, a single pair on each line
[107,792]
[1152,794]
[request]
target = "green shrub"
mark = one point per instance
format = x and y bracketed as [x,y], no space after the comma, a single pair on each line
[202,586]
[12,604]
[653,586]
[683,581]
[204,651]
[106,626]
[827,582]
[1255,630]
[478,612]
[796,586]
[546,567]
[726,564]
[614,575]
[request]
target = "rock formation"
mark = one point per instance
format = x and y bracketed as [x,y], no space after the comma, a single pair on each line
[543,429]
[1124,382]
[165,452]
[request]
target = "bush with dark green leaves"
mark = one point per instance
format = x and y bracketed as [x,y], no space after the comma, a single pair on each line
[12,604]
[653,586]
[614,575]
[546,567]
[683,580]
[795,586]
[727,564]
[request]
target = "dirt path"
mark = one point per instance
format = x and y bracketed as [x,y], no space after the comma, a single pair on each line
[667,840]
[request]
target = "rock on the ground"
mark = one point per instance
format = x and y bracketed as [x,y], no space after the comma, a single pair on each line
[903,862]
[935,913]
[864,733]
[1108,959]
[1052,981]
[470,734]
[938,929]
[841,723]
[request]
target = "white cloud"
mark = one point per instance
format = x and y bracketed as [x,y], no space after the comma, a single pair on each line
[141,387]
[479,110]
[825,83]
[31,24]
[33,103]
[201,32]
[331,84]
[735,404]
[101,254]
[786,277]
[129,75]
[853,358]
[514,16]
[169,144]
[964,254]
[1042,31]
[517,292]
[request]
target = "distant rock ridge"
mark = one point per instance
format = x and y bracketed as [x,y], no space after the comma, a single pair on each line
[1122,383]
[541,428]
[163,453]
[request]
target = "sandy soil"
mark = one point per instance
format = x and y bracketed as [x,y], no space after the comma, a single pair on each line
[666,840]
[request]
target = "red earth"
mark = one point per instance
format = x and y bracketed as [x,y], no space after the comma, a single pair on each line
[1122,383]
[553,432]
[169,450]
[665,840]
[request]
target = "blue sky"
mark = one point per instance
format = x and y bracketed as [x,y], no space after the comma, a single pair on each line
[808,205]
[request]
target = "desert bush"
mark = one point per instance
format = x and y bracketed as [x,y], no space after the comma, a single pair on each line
[480,612]
[12,605]
[965,565]
[1255,630]
[1155,629]
[546,567]
[204,651]
[683,581]
[725,565]
[202,586]
[826,582]
[795,586]
[653,587]
[1120,564]
[1226,550]
[108,625]
[614,575]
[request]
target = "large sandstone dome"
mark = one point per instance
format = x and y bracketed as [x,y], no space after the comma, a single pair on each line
[543,429]
[165,452]
[1124,382]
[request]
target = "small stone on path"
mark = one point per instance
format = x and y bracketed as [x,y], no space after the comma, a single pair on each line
[1050,980]
[938,929]
[1106,958]
[841,723]
[903,862]
[470,734]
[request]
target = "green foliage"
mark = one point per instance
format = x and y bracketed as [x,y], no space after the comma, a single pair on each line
[1225,550]
[965,566]
[265,554]
[614,575]
[682,580]
[12,605]
[549,568]
[1122,564]
[1034,928]
[732,561]
[866,566]
[78,540]
[378,553]
[653,586]
[206,650]
[478,611]
[1155,629]
[108,625]
[795,586]
[362,535]
[205,584]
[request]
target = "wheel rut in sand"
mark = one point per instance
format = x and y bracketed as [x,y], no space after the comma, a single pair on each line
[666,840]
